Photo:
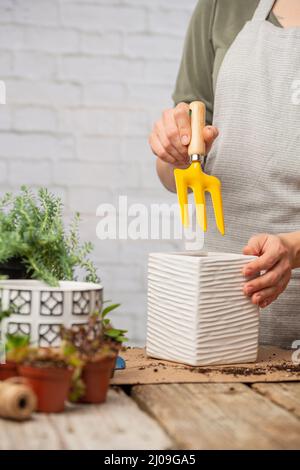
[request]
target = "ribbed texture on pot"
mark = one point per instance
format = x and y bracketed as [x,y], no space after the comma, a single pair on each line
[197,311]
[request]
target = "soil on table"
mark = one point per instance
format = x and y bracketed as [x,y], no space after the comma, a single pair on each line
[230,370]
[245,371]
[273,365]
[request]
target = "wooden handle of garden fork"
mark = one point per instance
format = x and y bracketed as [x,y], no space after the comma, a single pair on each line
[197,144]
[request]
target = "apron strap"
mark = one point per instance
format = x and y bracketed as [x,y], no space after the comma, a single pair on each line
[263,10]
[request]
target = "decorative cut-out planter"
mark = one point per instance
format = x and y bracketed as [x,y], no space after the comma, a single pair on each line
[40,310]
[197,311]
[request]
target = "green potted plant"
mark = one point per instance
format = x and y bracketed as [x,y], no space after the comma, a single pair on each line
[95,345]
[34,243]
[49,374]
[36,248]
[114,336]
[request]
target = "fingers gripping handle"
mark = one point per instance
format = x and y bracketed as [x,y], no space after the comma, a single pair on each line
[197,144]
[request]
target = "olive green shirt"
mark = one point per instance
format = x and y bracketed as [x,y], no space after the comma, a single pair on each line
[213,27]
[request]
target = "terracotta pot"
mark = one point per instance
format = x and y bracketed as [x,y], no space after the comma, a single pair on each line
[8,370]
[51,386]
[96,376]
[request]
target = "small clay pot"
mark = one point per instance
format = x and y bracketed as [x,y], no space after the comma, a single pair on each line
[8,370]
[96,376]
[51,386]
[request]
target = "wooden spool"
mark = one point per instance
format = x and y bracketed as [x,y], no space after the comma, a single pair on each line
[17,400]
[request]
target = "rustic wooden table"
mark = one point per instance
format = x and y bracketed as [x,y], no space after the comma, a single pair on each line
[170,416]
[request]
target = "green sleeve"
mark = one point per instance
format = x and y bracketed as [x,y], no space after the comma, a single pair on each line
[213,27]
[194,80]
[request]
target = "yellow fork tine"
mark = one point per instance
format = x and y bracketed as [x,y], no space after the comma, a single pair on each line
[199,197]
[182,193]
[213,186]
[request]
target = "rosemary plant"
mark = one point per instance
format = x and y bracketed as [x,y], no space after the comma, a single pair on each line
[32,231]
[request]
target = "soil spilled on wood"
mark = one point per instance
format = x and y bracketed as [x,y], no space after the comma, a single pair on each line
[271,365]
[246,371]
[230,370]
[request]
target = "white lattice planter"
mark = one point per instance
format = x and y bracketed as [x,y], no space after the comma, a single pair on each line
[40,310]
[197,311]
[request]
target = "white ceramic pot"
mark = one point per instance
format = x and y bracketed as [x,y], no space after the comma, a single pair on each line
[40,310]
[197,311]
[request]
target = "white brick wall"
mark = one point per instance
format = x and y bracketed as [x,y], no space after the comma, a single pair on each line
[85,80]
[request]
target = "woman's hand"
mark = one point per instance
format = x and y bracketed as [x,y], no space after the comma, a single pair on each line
[171,136]
[274,257]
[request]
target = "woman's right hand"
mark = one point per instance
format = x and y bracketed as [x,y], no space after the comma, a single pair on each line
[171,136]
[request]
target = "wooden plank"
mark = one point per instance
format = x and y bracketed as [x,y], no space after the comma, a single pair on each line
[35,434]
[272,365]
[284,394]
[219,416]
[117,424]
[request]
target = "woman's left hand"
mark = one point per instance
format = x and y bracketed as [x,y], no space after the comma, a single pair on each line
[274,257]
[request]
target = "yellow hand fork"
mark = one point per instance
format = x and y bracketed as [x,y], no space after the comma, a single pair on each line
[193,177]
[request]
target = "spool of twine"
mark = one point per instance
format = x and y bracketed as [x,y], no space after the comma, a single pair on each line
[17,400]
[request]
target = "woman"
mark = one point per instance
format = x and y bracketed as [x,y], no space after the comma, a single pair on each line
[242,59]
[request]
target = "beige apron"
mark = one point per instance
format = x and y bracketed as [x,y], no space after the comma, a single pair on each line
[257,155]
